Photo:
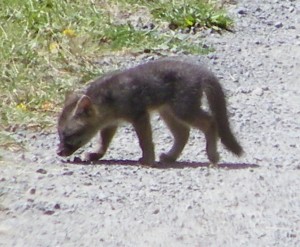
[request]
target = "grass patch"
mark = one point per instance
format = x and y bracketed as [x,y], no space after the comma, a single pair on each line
[185,14]
[193,13]
[50,46]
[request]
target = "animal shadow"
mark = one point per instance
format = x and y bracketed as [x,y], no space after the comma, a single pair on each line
[161,165]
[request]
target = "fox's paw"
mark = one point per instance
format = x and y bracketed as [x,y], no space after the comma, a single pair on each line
[214,158]
[92,156]
[165,158]
[146,161]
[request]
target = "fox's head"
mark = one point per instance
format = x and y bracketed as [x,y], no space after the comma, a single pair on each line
[77,123]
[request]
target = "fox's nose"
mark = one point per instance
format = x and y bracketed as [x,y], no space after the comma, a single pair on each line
[65,150]
[61,151]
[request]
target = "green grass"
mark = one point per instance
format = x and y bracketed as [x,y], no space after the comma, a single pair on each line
[193,13]
[51,46]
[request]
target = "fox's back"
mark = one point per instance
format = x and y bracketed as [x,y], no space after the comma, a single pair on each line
[151,84]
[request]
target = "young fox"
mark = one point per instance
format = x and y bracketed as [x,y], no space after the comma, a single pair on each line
[171,87]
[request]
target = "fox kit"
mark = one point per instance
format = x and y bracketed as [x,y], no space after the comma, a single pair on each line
[171,87]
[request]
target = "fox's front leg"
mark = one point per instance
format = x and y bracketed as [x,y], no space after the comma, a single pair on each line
[143,130]
[105,137]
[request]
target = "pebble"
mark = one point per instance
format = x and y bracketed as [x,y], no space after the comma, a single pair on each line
[278,25]
[258,92]
[244,90]
[156,211]
[49,212]
[32,191]
[68,173]
[42,171]
[291,9]
[242,11]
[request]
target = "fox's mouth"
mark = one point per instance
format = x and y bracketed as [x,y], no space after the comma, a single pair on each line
[65,150]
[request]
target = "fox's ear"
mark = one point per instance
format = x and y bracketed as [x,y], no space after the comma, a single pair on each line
[84,105]
[73,96]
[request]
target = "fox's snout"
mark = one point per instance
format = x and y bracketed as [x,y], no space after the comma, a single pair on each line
[64,150]
[61,152]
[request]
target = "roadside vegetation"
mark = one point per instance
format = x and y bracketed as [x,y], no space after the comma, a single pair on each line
[50,46]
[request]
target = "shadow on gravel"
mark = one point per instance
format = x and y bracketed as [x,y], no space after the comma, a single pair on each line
[182,164]
[159,165]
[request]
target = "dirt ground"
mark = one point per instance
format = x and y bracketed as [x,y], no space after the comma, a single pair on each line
[248,201]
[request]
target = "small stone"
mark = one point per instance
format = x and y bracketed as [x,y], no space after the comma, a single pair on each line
[156,211]
[49,212]
[173,26]
[213,57]
[291,235]
[42,171]
[258,92]
[244,90]
[278,25]
[68,173]
[242,11]
[32,191]
[291,9]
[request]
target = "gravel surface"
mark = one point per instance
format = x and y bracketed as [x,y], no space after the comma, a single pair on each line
[250,201]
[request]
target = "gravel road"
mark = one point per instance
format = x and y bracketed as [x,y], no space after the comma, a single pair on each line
[248,201]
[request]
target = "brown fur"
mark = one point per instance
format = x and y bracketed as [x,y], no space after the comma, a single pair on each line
[171,87]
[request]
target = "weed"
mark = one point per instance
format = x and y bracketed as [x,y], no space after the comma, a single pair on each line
[189,13]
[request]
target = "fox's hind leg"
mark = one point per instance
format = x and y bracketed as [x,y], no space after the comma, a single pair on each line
[180,132]
[203,121]
[198,118]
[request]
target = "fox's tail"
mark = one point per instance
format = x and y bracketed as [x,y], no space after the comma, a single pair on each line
[217,104]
